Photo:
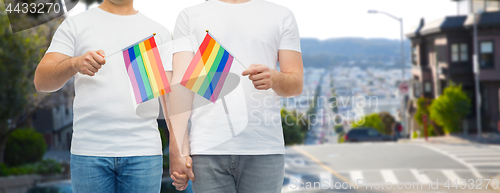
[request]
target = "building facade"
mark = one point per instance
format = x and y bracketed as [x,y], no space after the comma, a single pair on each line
[443,51]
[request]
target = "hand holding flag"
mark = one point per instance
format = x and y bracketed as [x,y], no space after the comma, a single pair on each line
[89,63]
[260,75]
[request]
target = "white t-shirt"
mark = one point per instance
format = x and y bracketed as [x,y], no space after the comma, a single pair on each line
[253,32]
[105,119]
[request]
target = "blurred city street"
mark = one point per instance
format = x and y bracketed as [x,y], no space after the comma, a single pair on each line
[398,96]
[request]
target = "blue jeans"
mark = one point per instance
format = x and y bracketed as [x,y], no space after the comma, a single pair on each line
[116,174]
[238,173]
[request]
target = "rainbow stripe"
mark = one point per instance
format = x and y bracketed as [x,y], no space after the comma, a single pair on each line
[208,69]
[145,70]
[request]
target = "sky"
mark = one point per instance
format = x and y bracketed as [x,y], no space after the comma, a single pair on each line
[325,19]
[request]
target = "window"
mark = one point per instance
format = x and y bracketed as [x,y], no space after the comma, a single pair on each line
[459,53]
[373,133]
[455,53]
[486,54]
[440,53]
[464,53]
[427,87]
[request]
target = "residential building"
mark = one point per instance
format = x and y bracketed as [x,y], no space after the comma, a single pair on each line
[56,125]
[442,51]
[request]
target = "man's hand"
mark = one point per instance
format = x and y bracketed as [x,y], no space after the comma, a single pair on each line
[89,63]
[181,171]
[287,82]
[261,76]
[55,69]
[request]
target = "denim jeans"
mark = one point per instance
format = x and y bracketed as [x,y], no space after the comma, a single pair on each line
[238,173]
[116,174]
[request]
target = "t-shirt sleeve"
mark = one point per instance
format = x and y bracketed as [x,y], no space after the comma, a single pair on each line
[290,38]
[64,39]
[166,48]
[182,40]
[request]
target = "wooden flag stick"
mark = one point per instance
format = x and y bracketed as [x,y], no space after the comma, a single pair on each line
[227,116]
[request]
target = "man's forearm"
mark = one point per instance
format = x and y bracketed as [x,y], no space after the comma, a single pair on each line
[173,148]
[180,103]
[51,75]
[287,84]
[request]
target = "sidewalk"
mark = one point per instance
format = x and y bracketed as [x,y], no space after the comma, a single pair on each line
[486,138]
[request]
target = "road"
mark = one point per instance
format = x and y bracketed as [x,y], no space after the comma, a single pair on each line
[372,164]
[322,124]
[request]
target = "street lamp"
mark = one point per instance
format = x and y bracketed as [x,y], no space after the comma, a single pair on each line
[402,56]
[402,39]
[476,73]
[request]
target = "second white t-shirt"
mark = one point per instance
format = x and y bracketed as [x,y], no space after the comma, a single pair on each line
[253,32]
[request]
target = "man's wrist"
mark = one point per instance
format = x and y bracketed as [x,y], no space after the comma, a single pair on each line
[72,65]
[274,77]
[173,151]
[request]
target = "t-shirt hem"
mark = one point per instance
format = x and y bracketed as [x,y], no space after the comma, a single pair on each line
[53,50]
[114,154]
[177,50]
[290,48]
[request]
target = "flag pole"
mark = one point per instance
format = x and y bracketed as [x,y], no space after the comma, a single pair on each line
[131,45]
[228,117]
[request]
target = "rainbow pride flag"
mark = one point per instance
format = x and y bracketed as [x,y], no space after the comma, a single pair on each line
[208,69]
[145,70]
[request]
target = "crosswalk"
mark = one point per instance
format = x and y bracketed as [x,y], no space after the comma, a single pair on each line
[300,182]
[393,176]
[480,159]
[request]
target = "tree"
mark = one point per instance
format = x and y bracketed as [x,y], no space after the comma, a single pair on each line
[450,108]
[333,100]
[423,109]
[388,121]
[371,121]
[291,128]
[303,121]
[19,55]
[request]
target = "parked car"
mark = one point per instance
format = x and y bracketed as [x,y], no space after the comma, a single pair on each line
[366,134]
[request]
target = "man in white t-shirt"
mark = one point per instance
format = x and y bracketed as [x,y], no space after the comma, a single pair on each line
[243,150]
[113,149]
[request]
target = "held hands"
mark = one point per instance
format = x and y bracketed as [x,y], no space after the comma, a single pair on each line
[260,75]
[89,63]
[181,171]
